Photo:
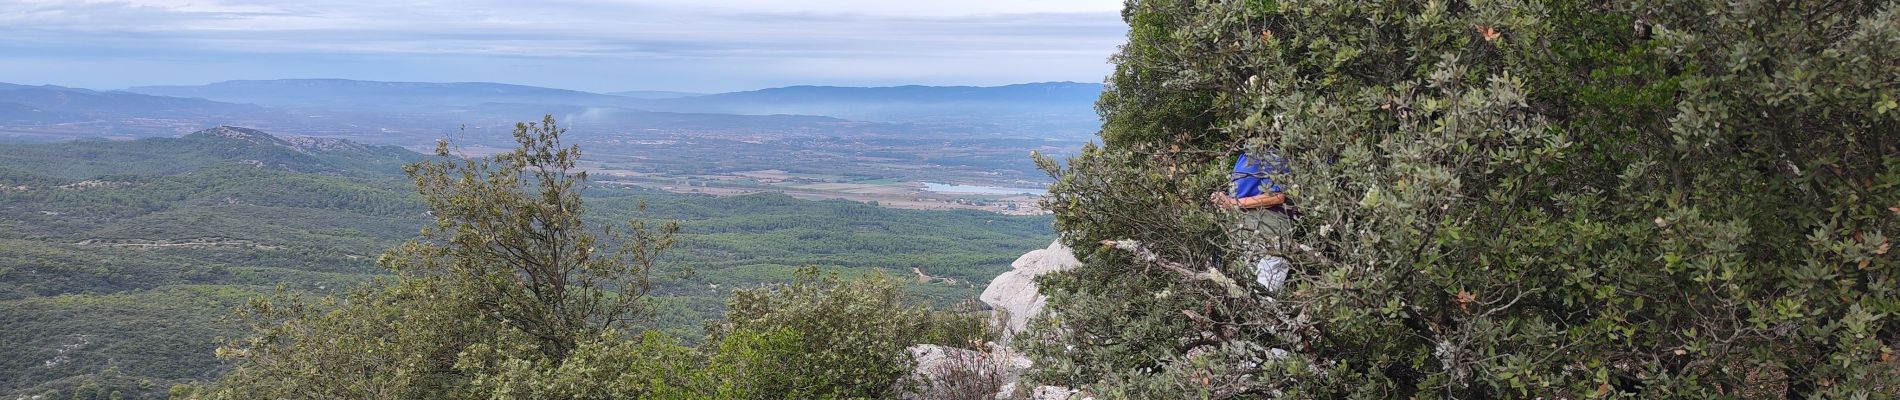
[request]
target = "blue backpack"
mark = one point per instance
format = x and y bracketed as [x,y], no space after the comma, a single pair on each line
[1253,178]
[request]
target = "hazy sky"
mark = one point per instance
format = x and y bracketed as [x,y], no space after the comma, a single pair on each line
[599,45]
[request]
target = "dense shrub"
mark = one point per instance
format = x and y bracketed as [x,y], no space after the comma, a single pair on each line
[510,295]
[1515,199]
[821,336]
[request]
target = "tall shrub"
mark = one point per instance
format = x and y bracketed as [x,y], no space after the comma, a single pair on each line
[1500,199]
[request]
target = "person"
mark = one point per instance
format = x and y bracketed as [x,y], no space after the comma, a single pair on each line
[1264,210]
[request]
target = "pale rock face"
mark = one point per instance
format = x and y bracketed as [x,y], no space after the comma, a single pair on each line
[948,372]
[930,356]
[245,134]
[1058,393]
[1014,294]
[309,144]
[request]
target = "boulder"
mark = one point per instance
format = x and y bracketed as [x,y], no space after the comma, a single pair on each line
[1014,296]
[952,373]
[993,372]
[1058,393]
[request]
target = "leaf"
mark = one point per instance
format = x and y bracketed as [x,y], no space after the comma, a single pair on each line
[1464,300]
[1885,104]
[1491,34]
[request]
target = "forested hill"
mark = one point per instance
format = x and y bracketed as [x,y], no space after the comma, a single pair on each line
[215,146]
[122,260]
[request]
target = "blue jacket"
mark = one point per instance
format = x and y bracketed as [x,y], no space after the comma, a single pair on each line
[1253,178]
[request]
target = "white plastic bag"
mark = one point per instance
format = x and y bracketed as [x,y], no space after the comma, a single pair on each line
[1271,272]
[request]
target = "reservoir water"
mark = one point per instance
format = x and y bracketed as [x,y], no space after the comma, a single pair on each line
[975,189]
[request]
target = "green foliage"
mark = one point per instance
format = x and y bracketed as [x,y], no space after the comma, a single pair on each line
[755,363]
[139,275]
[1508,199]
[1144,102]
[509,233]
[508,277]
[820,336]
[150,337]
[394,342]
[817,337]
[650,366]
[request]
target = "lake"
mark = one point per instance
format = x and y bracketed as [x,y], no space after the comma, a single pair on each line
[975,189]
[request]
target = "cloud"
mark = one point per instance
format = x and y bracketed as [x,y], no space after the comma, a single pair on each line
[667,44]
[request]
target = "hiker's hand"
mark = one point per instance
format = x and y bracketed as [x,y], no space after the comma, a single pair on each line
[1223,199]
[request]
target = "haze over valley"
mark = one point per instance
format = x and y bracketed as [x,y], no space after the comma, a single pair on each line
[867,144]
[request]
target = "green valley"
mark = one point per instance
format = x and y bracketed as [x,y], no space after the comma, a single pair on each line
[120,261]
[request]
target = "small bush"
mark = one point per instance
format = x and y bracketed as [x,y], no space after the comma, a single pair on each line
[825,337]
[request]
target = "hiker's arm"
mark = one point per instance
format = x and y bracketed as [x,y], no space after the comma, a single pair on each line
[1249,202]
[1261,201]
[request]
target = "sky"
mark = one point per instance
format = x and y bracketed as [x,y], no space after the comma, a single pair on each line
[596,45]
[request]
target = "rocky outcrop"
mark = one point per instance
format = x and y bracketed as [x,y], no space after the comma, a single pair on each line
[240,134]
[1014,296]
[310,144]
[994,371]
[302,144]
[952,373]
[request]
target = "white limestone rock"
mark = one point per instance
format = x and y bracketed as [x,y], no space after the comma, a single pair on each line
[1014,296]
[947,372]
[1058,393]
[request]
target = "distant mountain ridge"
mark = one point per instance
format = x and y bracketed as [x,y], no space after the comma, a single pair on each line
[48,104]
[347,93]
[654,94]
[50,97]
